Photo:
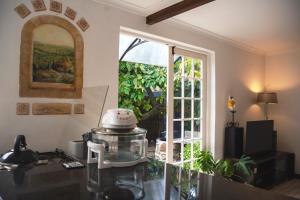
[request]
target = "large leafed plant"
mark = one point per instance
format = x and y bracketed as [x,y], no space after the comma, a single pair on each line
[142,88]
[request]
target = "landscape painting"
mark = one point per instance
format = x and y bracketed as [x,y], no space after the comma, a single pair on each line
[53,55]
[51,58]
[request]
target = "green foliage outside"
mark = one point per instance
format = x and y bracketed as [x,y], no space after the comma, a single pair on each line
[187,72]
[53,63]
[155,169]
[187,151]
[134,81]
[138,82]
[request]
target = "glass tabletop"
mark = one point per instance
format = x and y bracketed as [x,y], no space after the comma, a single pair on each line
[152,180]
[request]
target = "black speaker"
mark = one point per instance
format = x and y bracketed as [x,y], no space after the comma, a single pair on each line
[233,147]
[274,141]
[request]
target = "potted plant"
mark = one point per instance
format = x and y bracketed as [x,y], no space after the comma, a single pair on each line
[237,170]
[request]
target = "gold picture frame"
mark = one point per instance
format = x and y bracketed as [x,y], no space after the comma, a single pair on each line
[51,63]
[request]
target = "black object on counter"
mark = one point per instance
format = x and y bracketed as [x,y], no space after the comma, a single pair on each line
[19,154]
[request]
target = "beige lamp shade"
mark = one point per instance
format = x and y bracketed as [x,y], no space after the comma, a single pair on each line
[267,97]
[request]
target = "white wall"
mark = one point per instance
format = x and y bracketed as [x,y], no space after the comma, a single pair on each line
[238,72]
[282,76]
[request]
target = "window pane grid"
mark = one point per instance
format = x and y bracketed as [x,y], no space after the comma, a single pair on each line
[192,112]
[187,141]
[190,106]
[190,78]
[187,98]
[187,119]
[185,161]
[201,108]
[182,107]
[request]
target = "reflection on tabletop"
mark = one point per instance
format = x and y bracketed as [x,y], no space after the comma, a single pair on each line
[152,180]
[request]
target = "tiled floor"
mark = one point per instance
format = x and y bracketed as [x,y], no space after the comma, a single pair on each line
[289,188]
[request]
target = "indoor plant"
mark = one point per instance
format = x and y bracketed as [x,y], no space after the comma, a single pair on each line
[238,170]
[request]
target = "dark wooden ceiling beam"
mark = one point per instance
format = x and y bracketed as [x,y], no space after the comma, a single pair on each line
[174,10]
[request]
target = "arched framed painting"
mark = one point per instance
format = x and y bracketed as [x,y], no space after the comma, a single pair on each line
[51,63]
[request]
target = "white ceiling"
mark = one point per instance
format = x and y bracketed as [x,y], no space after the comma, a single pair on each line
[269,26]
[141,7]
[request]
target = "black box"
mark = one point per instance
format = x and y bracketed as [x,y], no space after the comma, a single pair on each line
[233,147]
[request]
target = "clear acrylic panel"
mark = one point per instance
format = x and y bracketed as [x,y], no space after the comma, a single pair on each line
[177,130]
[187,108]
[177,108]
[197,108]
[187,129]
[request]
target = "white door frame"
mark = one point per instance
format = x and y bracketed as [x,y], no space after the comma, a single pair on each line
[211,84]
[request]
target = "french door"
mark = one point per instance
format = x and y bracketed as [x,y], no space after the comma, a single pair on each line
[186,106]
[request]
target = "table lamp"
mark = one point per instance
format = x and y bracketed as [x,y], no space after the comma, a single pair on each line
[267,98]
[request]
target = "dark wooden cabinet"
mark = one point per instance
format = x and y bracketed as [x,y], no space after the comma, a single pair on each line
[272,169]
[285,166]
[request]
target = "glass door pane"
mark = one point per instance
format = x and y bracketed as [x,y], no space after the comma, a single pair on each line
[188,116]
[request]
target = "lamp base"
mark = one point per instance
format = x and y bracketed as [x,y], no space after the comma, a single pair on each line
[266,111]
[232,123]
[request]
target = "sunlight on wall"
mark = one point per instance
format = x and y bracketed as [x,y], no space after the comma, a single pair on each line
[254,111]
[255,86]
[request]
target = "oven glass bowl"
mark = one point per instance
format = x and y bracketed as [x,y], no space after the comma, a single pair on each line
[121,146]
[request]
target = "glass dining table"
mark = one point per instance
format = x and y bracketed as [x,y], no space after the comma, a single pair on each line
[152,180]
